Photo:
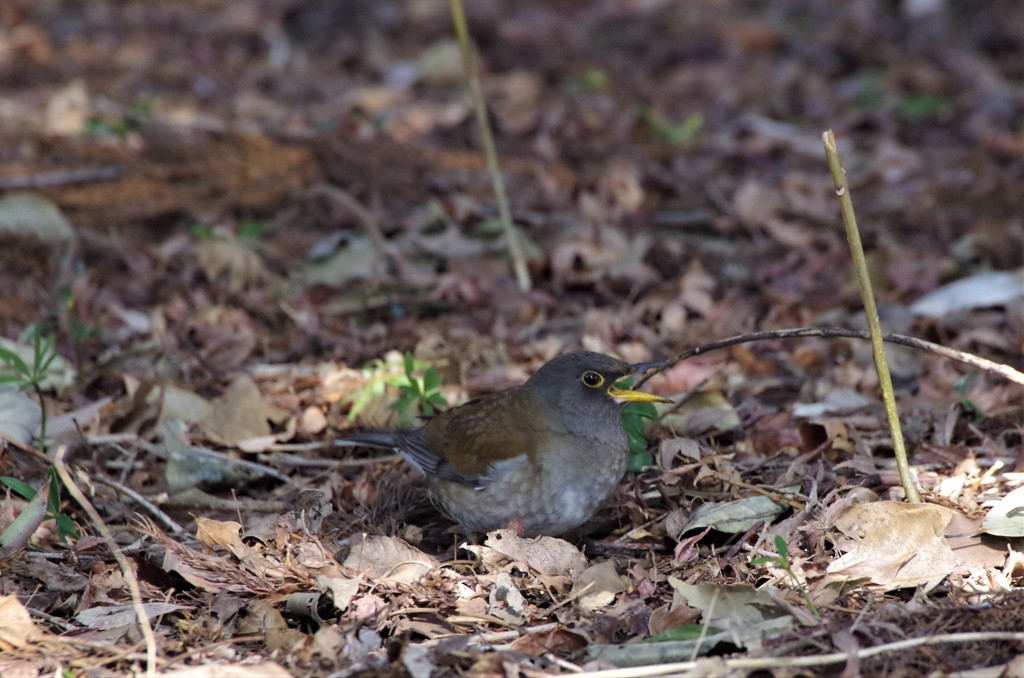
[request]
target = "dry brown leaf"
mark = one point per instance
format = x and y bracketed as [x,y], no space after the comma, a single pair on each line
[506,602]
[748,614]
[389,560]
[598,585]
[207,670]
[341,588]
[17,629]
[106,617]
[232,258]
[20,416]
[240,415]
[224,533]
[894,544]
[544,555]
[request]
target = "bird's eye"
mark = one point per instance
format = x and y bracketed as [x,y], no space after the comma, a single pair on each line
[592,379]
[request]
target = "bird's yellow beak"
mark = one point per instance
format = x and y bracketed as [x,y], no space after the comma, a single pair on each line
[624,396]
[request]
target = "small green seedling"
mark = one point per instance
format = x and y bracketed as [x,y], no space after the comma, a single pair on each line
[971,410]
[421,393]
[782,562]
[65,526]
[418,384]
[31,377]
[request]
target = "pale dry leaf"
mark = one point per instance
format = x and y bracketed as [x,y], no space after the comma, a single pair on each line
[670,448]
[696,290]
[704,412]
[737,516]
[389,560]
[264,619]
[68,110]
[836,401]
[35,216]
[199,577]
[223,533]
[240,415]
[227,534]
[182,405]
[208,670]
[17,630]
[894,544]
[755,203]
[342,589]
[232,258]
[991,288]
[747,614]
[20,416]
[1006,518]
[313,421]
[84,418]
[358,260]
[599,585]
[505,601]
[440,64]
[543,555]
[107,617]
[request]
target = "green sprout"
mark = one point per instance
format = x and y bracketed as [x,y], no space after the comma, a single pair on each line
[782,562]
[418,385]
[422,391]
[31,376]
[65,526]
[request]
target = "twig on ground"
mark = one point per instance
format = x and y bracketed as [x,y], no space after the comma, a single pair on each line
[147,504]
[758,663]
[60,178]
[126,570]
[990,366]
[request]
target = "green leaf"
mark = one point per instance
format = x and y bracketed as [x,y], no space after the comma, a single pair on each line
[19,487]
[634,427]
[252,229]
[66,527]
[53,504]
[638,462]
[764,559]
[921,106]
[15,361]
[431,380]
[201,232]
[781,547]
[643,410]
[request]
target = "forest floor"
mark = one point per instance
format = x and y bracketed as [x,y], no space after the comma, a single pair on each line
[233,219]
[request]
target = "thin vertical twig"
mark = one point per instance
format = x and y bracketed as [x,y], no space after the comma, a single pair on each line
[515,248]
[871,311]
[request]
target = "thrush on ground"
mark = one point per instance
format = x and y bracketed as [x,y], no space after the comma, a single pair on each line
[541,457]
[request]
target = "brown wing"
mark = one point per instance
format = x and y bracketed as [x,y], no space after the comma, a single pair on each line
[480,433]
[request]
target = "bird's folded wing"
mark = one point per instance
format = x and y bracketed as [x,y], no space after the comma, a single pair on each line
[414,447]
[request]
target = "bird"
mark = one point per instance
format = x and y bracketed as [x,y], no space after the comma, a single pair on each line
[540,458]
